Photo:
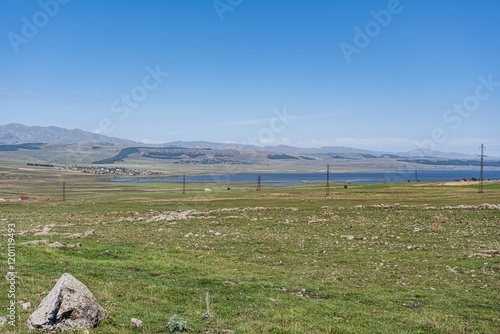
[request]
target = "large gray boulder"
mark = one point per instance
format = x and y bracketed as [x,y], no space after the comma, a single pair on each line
[68,306]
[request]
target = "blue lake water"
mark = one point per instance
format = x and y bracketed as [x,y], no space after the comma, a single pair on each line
[292,179]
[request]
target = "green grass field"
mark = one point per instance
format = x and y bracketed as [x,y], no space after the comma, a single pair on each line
[282,260]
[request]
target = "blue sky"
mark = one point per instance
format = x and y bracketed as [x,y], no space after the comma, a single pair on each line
[382,75]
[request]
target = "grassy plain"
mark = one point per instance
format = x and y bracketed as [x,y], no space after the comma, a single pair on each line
[282,260]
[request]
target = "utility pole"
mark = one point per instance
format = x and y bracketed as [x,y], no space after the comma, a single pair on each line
[64,191]
[328,180]
[482,170]
[184,184]
[416,175]
[259,186]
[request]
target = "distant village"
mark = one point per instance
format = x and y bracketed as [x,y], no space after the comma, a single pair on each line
[92,170]
[112,170]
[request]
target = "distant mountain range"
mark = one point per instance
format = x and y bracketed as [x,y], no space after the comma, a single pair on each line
[20,134]
[321,150]
[278,148]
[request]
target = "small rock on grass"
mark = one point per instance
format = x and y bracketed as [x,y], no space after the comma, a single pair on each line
[35,242]
[44,234]
[57,244]
[135,322]
[3,321]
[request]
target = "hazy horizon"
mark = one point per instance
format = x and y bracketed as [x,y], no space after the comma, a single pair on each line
[225,143]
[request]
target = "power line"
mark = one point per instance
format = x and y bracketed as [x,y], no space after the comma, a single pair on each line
[481,177]
[328,180]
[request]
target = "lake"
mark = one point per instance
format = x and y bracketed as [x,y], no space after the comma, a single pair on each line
[293,179]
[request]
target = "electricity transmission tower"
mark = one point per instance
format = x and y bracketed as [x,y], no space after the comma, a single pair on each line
[481,177]
[184,184]
[328,180]
[259,186]
[64,191]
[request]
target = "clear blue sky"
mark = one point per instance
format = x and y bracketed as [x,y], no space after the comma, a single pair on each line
[233,68]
